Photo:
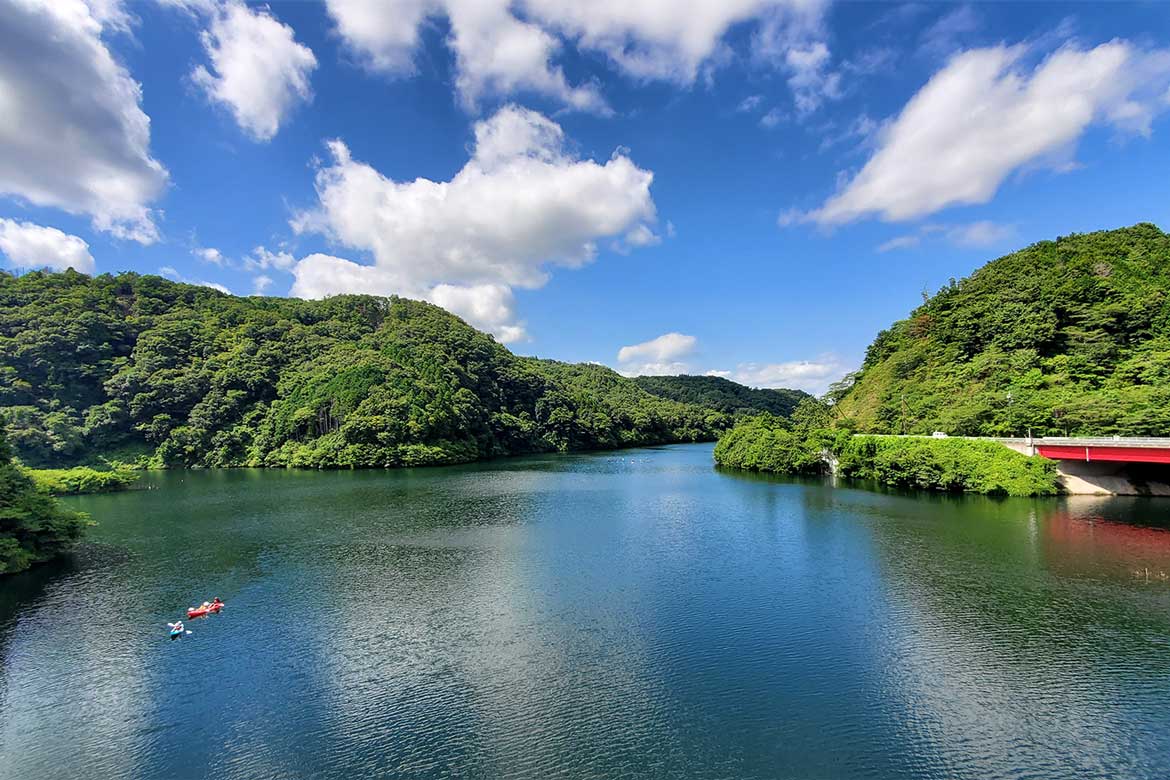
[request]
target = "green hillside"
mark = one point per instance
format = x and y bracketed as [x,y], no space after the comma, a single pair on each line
[1066,336]
[140,368]
[722,394]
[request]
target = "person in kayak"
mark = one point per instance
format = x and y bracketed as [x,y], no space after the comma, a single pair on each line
[176,629]
[215,602]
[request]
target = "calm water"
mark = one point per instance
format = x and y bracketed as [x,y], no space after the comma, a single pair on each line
[634,614]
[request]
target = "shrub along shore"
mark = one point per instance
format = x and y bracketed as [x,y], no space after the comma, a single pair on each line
[81,479]
[808,445]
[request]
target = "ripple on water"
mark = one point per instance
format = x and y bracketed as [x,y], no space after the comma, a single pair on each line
[621,615]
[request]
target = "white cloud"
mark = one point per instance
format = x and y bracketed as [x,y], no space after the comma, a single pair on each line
[522,202]
[209,255]
[34,246]
[658,39]
[383,33]
[942,38]
[668,355]
[498,54]
[794,42]
[661,355]
[258,70]
[174,275]
[264,259]
[971,235]
[986,115]
[811,81]
[260,283]
[812,376]
[750,103]
[979,234]
[489,306]
[503,47]
[900,242]
[72,133]
[774,117]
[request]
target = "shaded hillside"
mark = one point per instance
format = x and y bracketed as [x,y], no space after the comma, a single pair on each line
[179,375]
[722,394]
[1065,336]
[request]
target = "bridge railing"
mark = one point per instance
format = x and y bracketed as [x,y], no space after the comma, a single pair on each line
[1159,442]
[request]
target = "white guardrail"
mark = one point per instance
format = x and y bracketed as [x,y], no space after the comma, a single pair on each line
[1159,442]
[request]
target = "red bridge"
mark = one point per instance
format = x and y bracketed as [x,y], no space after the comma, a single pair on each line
[1107,450]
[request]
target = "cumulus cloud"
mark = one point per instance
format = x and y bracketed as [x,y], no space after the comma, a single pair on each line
[73,134]
[812,376]
[522,203]
[661,355]
[490,306]
[502,47]
[209,254]
[986,115]
[35,246]
[258,70]
[382,33]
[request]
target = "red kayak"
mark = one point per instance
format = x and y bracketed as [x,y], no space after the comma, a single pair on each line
[194,612]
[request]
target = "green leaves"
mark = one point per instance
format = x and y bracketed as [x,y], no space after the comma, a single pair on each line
[33,527]
[111,365]
[1064,337]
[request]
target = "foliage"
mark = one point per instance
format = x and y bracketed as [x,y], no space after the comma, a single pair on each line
[81,479]
[951,465]
[722,394]
[799,445]
[808,442]
[1065,337]
[33,527]
[99,367]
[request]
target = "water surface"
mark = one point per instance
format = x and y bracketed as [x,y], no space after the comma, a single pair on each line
[636,614]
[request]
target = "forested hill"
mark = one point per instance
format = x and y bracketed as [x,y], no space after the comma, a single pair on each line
[133,366]
[722,394]
[1065,336]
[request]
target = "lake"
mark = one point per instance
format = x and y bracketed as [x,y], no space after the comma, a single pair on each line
[633,614]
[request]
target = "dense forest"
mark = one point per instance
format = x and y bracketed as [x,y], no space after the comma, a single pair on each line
[1070,336]
[138,369]
[722,394]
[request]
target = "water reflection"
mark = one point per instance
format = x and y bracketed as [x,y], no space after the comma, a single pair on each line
[634,614]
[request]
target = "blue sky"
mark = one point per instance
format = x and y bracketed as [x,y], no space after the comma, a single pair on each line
[752,187]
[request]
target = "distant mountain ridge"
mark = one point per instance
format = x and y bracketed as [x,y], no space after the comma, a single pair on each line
[722,394]
[139,368]
[1066,336]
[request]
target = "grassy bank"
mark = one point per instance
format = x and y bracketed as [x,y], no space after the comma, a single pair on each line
[772,444]
[80,479]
